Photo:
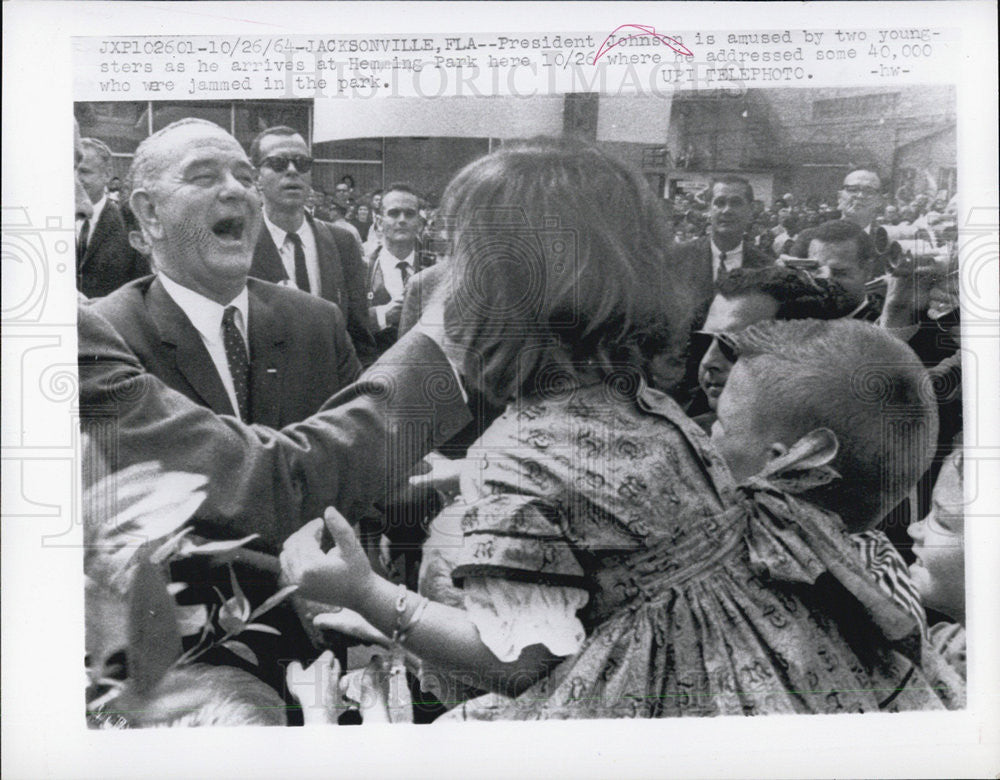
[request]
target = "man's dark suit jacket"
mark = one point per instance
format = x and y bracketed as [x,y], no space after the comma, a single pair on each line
[694,258]
[379,296]
[370,434]
[693,261]
[110,261]
[342,277]
[300,354]
[419,289]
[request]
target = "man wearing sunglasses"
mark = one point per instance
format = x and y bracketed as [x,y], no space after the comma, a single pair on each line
[860,198]
[297,250]
[747,296]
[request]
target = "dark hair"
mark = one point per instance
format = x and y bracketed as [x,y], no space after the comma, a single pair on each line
[798,295]
[729,179]
[276,130]
[833,232]
[399,186]
[348,178]
[862,383]
[559,268]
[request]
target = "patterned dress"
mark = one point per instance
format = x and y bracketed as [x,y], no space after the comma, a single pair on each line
[704,598]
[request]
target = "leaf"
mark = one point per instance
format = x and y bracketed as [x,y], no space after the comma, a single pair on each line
[272,601]
[214,548]
[130,508]
[154,639]
[191,618]
[262,627]
[149,505]
[241,600]
[171,546]
[242,651]
[230,616]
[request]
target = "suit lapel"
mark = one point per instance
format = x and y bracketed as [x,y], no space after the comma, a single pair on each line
[267,263]
[328,257]
[268,358]
[191,358]
[377,294]
[98,233]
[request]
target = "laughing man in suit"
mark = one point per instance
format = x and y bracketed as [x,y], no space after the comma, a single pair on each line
[298,250]
[262,352]
[104,258]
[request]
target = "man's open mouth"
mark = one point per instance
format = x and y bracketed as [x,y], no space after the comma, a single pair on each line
[230,228]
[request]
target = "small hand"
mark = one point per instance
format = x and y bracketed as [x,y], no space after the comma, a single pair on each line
[317,689]
[343,576]
[443,476]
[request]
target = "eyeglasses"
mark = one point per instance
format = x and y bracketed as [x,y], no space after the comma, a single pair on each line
[280,163]
[860,189]
[702,341]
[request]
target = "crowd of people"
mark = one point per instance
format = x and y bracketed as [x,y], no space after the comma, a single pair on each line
[522,456]
[772,229]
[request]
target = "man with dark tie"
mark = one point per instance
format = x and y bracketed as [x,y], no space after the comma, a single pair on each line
[258,351]
[701,262]
[393,262]
[104,258]
[263,352]
[296,249]
[724,249]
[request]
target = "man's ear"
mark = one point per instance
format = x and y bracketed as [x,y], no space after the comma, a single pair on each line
[145,211]
[817,448]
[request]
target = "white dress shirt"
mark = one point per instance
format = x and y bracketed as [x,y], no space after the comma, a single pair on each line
[392,279]
[734,258]
[206,316]
[287,251]
[98,208]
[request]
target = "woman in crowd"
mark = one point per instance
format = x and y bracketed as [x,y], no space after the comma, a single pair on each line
[362,220]
[608,565]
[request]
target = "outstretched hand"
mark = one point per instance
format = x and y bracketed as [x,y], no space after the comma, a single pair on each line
[342,576]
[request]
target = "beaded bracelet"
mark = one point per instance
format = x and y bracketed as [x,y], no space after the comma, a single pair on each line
[397,633]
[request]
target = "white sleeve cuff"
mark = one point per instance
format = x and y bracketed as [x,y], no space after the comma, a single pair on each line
[513,615]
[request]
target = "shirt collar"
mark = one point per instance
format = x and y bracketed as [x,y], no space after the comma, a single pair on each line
[204,313]
[279,234]
[98,208]
[389,260]
[731,254]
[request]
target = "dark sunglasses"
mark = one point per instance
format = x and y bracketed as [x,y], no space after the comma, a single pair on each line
[701,342]
[280,163]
